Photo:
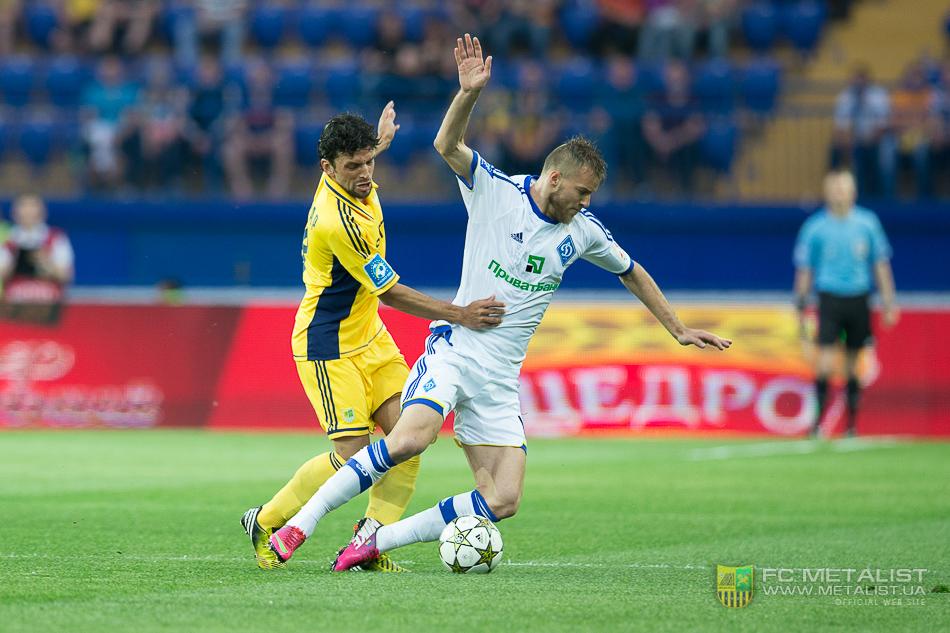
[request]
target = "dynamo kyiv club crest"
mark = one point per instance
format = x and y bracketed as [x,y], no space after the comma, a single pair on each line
[734,585]
[566,250]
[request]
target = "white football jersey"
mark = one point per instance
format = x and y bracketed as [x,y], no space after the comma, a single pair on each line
[518,254]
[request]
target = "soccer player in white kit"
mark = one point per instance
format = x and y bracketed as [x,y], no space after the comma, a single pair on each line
[523,233]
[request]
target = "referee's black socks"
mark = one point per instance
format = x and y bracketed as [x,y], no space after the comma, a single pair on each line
[821,394]
[854,397]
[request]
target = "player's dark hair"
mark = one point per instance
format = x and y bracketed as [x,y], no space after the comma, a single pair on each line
[577,152]
[346,133]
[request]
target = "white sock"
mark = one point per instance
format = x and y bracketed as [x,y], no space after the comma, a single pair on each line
[358,473]
[428,525]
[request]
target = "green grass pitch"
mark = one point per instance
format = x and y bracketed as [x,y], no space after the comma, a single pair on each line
[139,531]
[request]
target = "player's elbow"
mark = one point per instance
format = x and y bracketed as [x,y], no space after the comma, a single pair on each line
[443,146]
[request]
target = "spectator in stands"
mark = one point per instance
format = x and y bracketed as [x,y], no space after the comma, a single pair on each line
[122,26]
[76,19]
[716,18]
[861,120]
[220,22]
[36,264]
[619,97]
[105,122]
[939,129]
[204,125]
[260,137]
[153,146]
[534,127]
[910,118]
[9,16]
[673,126]
[619,25]
[525,27]
[669,30]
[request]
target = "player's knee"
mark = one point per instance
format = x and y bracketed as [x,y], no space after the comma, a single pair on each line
[347,447]
[405,446]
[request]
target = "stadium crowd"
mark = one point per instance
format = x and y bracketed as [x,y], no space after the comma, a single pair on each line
[229,96]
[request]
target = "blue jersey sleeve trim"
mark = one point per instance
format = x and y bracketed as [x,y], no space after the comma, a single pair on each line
[470,184]
[629,268]
[534,206]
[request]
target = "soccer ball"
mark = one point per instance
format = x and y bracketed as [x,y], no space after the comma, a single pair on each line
[470,544]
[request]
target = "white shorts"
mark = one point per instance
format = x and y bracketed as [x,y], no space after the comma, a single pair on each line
[486,401]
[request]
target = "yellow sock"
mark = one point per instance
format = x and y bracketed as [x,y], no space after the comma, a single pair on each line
[390,495]
[305,482]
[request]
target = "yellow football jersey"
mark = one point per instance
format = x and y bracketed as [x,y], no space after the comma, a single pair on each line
[344,271]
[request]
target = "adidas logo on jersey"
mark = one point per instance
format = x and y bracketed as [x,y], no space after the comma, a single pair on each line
[518,237]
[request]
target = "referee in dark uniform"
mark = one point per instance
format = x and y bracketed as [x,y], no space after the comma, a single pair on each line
[838,250]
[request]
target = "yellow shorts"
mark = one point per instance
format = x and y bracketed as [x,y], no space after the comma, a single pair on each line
[345,392]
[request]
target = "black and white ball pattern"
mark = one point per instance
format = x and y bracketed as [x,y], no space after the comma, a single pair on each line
[470,544]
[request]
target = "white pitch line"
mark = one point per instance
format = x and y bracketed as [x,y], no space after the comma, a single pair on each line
[848,445]
[793,447]
[763,449]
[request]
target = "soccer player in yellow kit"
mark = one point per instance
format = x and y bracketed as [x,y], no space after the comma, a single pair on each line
[347,361]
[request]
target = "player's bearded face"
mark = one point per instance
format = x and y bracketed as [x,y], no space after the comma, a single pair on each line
[570,193]
[354,172]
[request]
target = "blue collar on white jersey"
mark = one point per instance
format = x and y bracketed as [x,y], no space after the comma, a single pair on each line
[534,206]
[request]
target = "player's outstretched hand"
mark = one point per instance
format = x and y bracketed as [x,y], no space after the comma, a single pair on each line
[387,127]
[482,314]
[474,71]
[702,338]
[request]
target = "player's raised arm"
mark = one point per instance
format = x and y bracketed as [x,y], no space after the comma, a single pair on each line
[474,72]
[386,128]
[641,284]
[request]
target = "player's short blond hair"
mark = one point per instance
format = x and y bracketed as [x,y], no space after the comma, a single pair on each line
[576,153]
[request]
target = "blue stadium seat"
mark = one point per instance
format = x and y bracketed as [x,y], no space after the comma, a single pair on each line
[267,25]
[294,83]
[314,24]
[424,134]
[760,85]
[719,144]
[575,84]
[306,140]
[650,79]
[359,23]
[5,130]
[413,18]
[802,22]
[65,80]
[404,145]
[37,140]
[41,22]
[168,18]
[760,25]
[342,86]
[17,80]
[714,86]
[579,21]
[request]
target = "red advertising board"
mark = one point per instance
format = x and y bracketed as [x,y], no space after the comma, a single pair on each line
[590,368]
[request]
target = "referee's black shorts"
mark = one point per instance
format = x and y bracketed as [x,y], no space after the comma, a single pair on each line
[844,318]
